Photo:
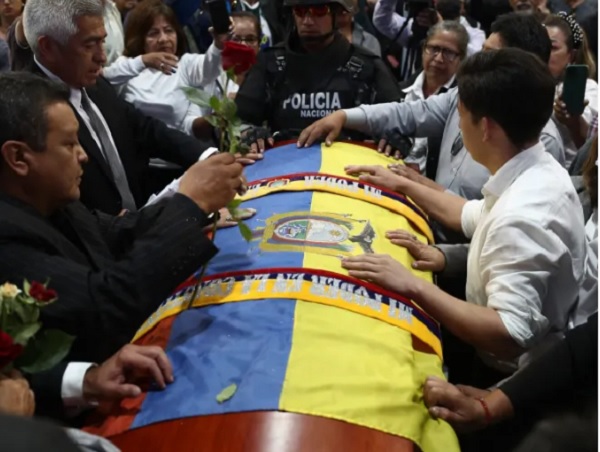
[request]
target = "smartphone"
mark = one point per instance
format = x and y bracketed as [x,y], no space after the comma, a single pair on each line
[573,94]
[219,15]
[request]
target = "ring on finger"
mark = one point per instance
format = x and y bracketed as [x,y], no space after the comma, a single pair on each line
[162,65]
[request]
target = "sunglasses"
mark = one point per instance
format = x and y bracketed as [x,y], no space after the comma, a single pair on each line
[314,11]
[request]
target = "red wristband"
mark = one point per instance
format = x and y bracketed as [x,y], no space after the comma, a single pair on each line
[486,409]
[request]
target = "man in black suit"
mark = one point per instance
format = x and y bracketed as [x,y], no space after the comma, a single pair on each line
[119,139]
[110,273]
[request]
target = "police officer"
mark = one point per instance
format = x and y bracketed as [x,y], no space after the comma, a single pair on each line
[315,72]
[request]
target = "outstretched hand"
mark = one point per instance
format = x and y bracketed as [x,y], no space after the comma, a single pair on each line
[426,257]
[329,127]
[382,270]
[377,175]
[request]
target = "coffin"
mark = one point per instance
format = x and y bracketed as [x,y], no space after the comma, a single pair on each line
[282,321]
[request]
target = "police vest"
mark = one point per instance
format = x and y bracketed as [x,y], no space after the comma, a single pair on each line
[294,108]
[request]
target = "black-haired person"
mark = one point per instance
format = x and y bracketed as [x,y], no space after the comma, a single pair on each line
[527,251]
[570,46]
[314,72]
[449,165]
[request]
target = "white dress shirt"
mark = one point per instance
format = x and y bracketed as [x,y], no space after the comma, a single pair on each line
[159,95]
[75,100]
[527,252]
[418,154]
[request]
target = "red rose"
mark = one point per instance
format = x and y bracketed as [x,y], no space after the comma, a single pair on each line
[9,351]
[240,57]
[40,293]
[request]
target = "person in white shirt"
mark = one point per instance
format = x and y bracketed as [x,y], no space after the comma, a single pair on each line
[154,67]
[114,44]
[443,50]
[247,31]
[390,24]
[527,250]
[569,46]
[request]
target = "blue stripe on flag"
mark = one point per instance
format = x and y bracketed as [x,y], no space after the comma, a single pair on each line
[246,343]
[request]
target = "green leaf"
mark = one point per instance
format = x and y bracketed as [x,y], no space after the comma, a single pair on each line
[28,313]
[245,231]
[26,287]
[227,393]
[23,333]
[213,120]
[197,96]
[215,103]
[44,351]
[233,204]
[229,109]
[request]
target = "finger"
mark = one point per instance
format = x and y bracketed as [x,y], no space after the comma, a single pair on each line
[261,145]
[412,247]
[397,155]
[245,213]
[364,275]
[221,158]
[400,234]
[438,412]
[140,361]
[304,135]
[31,404]
[388,150]
[425,266]
[254,148]
[358,169]
[370,179]
[254,156]
[271,142]
[161,358]
[245,161]
[121,391]
[330,138]
[381,145]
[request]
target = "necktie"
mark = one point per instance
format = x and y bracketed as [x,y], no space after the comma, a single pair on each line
[110,153]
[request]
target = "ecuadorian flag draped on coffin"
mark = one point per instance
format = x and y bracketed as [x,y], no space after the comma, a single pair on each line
[280,318]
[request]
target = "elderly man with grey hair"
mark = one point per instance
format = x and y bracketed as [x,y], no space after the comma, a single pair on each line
[66,37]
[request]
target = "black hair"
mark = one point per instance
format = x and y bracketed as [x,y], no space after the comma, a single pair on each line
[251,17]
[24,99]
[525,32]
[449,9]
[494,84]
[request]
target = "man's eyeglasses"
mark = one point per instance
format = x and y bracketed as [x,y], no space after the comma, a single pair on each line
[314,11]
[447,54]
[248,40]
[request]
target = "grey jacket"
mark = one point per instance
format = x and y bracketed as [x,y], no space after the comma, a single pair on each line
[437,119]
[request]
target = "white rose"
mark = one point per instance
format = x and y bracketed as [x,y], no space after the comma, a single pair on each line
[8,290]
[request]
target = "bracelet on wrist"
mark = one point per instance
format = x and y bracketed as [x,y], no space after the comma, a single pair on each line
[486,410]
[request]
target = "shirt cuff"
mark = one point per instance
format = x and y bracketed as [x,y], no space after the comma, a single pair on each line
[71,389]
[209,152]
[138,64]
[213,50]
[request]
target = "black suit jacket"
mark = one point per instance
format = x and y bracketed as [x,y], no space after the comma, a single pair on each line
[110,273]
[138,138]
